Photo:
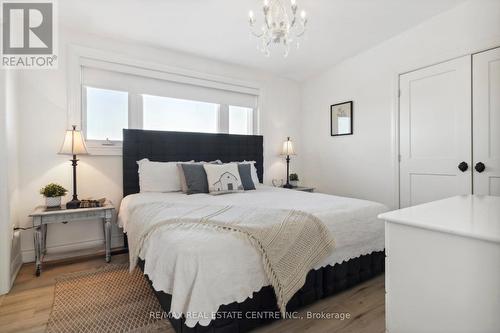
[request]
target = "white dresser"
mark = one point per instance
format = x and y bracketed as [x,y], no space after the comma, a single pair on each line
[443,266]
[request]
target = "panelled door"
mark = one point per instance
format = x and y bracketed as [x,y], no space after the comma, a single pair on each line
[435,132]
[486,122]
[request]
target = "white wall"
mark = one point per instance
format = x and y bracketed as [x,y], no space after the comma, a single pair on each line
[4,200]
[12,122]
[42,99]
[363,165]
[9,260]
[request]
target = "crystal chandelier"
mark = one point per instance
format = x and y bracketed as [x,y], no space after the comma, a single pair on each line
[281,25]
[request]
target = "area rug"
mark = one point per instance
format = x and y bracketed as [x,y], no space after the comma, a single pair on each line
[109,299]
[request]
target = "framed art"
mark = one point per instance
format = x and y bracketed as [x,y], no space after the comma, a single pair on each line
[341,119]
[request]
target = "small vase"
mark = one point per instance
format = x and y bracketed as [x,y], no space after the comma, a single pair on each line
[53,202]
[294,183]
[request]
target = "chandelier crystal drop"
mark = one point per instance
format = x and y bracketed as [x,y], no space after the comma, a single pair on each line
[281,26]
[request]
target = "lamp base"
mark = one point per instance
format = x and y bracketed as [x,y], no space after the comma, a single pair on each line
[73,204]
[287,186]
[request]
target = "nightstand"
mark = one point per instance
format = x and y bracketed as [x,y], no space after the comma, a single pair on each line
[43,217]
[303,189]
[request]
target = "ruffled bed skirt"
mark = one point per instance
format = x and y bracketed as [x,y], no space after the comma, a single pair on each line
[262,307]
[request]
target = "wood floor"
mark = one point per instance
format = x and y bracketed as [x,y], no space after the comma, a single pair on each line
[27,307]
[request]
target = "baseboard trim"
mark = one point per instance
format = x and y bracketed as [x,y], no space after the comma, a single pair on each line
[28,255]
[16,260]
[15,266]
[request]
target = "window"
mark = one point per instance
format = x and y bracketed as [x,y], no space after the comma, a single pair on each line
[115,96]
[240,120]
[106,114]
[171,114]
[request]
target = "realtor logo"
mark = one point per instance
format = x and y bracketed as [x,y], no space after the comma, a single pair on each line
[28,34]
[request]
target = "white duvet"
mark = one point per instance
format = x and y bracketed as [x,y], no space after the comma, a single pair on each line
[204,269]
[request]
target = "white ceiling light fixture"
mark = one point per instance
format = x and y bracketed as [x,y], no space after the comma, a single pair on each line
[281,25]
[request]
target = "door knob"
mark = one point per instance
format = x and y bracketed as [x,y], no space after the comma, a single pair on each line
[480,167]
[463,166]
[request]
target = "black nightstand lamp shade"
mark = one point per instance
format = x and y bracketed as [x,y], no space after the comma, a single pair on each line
[73,145]
[288,151]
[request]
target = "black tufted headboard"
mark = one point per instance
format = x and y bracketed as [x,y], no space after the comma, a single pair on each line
[183,146]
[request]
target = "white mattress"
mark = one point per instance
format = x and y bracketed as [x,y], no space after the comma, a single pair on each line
[203,269]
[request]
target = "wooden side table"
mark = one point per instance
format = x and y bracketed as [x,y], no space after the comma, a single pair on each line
[43,217]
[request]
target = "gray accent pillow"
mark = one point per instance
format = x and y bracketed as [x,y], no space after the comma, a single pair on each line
[196,178]
[246,176]
[182,178]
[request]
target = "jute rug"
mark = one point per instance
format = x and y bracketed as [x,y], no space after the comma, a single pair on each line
[109,299]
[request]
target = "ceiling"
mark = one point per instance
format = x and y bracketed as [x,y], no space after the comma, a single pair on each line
[218,29]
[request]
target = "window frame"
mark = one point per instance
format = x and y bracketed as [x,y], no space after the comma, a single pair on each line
[79,56]
[96,145]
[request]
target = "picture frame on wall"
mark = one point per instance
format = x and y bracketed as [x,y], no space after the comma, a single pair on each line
[341,119]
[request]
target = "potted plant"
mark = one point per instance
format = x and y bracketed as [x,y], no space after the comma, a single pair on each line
[53,193]
[294,179]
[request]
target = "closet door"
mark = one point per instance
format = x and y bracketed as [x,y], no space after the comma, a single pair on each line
[486,122]
[435,132]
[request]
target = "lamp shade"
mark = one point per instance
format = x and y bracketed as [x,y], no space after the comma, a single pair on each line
[288,149]
[73,144]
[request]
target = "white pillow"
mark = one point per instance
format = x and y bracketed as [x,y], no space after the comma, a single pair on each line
[158,176]
[223,178]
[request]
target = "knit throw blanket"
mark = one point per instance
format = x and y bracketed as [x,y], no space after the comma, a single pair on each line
[290,242]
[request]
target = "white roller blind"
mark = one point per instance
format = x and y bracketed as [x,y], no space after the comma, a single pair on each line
[162,84]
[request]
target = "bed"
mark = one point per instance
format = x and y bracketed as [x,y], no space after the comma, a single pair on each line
[214,282]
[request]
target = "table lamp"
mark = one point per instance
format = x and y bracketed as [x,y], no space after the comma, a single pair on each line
[73,144]
[288,151]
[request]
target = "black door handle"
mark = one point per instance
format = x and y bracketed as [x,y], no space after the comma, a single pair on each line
[480,167]
[463,166]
